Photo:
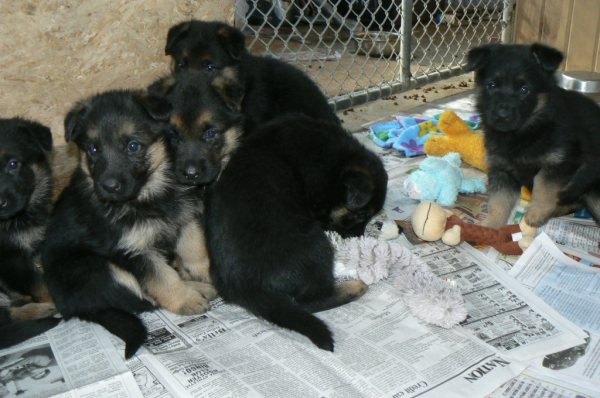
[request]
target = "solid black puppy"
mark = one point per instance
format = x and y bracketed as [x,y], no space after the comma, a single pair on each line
[25,202]
[204,130]
[118,225]
[536,133]
[266,218]
[262,87]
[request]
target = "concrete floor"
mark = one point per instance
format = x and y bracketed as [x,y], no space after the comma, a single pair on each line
[355,118]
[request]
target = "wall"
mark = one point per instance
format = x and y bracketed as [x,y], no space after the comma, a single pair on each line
[55,52]
[573,26]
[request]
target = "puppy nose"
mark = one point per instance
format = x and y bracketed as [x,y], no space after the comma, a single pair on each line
[3,203]
[111,185]
[503,112]
[191,173]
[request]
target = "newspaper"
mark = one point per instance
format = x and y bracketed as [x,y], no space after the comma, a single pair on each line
[381,351]
[502,313]
[537,383]
[573,289]
[75,359]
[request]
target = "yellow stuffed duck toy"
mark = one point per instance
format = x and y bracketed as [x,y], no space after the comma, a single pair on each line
[457,137]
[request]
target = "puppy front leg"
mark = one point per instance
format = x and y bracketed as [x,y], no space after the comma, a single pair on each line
[163,284]
[191,249]
[504,192]
[544,197]
[18,273]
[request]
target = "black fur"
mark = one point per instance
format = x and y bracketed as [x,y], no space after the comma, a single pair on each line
[124,180]
[533,128]
[263,87]
[266,216]
[25,202]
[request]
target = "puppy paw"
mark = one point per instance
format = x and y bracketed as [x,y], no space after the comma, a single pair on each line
[205,289]
[33,311]
[194,303]
[537,216]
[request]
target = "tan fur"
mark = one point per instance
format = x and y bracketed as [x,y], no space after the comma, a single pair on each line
[338,214]
[178,121]
[163,284]
[232,137]
[142,235]
[191,249]
[350,290]
[159,165]
[32,311]
[40,293]
[203,118]
[500,205]
[544,200]
[127,128]
[126,279]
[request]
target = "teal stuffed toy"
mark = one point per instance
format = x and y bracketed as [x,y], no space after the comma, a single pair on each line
[441,179]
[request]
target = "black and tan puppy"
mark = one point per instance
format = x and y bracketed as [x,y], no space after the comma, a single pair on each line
[122,220]
[266,218]
[536,133]
[204,129]
[262,87]
[25,202]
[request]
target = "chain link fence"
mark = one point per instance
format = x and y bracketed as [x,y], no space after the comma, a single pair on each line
[362,50]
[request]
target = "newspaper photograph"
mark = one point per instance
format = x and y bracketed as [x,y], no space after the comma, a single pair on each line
[75,359]
[573,289]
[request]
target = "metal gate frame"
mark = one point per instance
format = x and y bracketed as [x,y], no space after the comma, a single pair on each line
[501,24]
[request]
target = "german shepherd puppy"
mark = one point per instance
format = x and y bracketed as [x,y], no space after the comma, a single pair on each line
[261,87]
[204,130]
[266,218]
[536,133]
[25,202]
[118,225]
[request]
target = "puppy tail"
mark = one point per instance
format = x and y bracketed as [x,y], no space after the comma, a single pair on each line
[281,310]
[128,327]
[15,333]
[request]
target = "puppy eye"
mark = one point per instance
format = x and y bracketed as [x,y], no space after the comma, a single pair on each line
[182,63]
[209,66]
[13,164]
[173,135]
[134,147]
[210,134]
[524,90]
[491,85]
[92,149]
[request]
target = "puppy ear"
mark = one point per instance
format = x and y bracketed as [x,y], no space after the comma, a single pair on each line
[158,108]
[163,86]
[176,34]
[548,57]
[38,133]
[73,121]
[477,58]
[359,189]
[232,40]
[230,90]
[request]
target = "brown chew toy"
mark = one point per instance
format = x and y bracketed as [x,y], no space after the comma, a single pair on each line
[431,222]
